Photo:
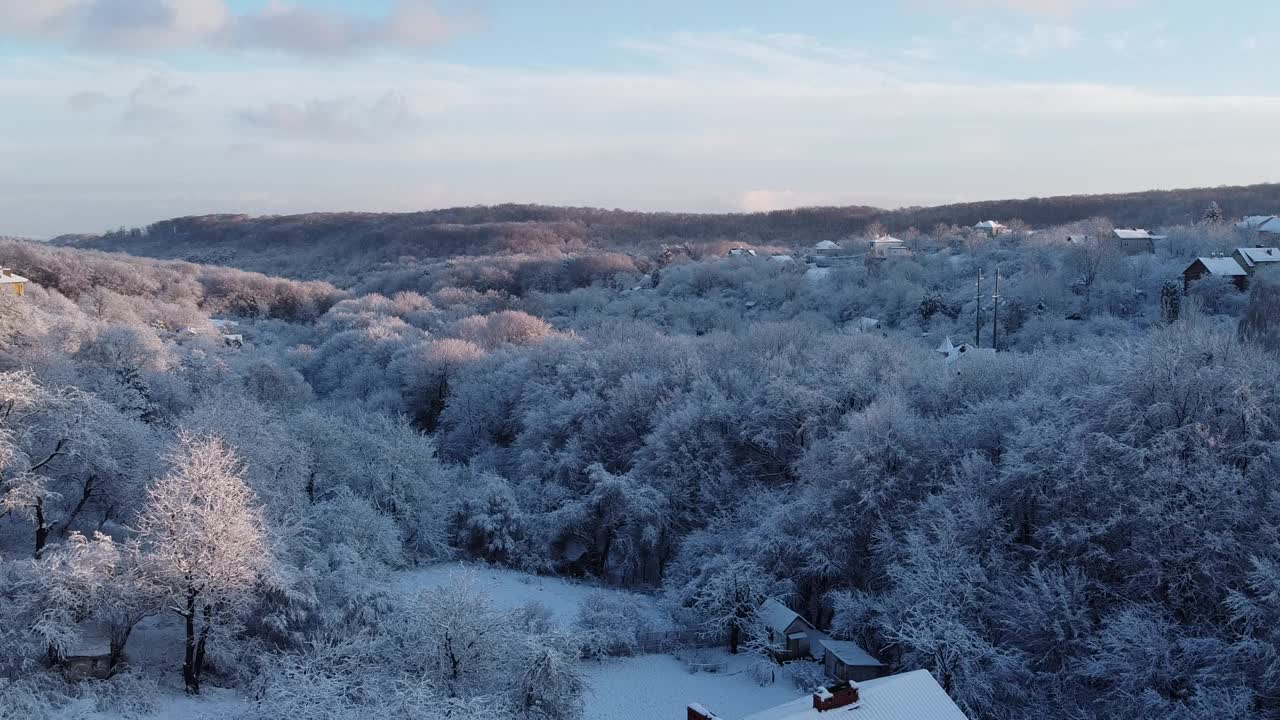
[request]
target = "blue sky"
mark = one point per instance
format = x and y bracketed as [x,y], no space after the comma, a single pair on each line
[120,112]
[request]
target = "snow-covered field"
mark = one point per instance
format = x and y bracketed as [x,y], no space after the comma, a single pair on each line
[658,687]
[635,688]
[512,589]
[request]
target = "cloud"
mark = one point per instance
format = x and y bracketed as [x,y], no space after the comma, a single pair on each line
[140,25]
[1054,8]
[341,119]
[154,107]
[88,101]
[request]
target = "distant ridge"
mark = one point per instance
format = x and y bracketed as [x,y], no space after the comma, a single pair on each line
[271,243]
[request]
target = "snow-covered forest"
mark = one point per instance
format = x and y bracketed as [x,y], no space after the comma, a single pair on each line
[1083,525]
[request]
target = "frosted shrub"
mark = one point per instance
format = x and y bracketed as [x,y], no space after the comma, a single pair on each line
[806,675]
[611,625]
[763,670]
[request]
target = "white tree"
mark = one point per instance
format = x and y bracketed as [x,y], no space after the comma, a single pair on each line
[729,598]
[205,543]
[454,636]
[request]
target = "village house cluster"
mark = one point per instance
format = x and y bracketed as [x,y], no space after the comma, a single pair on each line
[856,680]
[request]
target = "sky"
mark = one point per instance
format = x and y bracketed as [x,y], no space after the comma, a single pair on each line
[121,112]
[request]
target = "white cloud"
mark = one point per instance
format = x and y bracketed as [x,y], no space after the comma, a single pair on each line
[1054,8]
[139,25]
[703,122]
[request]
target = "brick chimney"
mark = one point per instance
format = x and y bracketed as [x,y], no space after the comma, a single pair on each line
[835,696]
[698,712]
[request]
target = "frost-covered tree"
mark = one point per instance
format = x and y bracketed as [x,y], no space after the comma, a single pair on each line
[728,597]
[1212,214]
[205,544]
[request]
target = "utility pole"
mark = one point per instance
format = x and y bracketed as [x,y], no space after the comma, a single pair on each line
[995,318]
[977,314]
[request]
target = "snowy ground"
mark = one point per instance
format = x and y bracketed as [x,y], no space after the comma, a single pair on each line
[511,589]
[660,686]
[637,688]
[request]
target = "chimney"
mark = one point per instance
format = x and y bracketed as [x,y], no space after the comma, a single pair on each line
[840,695]
[4,271]
[698,712]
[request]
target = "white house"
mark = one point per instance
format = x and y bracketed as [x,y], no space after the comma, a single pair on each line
[912,695]
[1253,222]
[886,247]
[1134,241]
[951,352]
[991,227]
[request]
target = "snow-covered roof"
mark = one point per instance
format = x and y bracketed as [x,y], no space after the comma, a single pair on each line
[782,258]
[988,225]
[1253,222]
[1133,234]
[886,240]
[10,279]
[1270,226]
[1254,255]
[909,696]
[777,616]
[1077,238]
[1222,266]
[849,653]
[827,245]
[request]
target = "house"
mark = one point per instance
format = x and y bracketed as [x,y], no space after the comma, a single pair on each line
[742,252]
[1239,266]
[991,227]
[1254,222]
[1217,266]
[862,325]
[11,283]
[914,695]
[786,629]
[1078,239]
[846,660]
[1270,227]
[1134,241]
[884,248]
[951,352]
[828,253]
[1252,257]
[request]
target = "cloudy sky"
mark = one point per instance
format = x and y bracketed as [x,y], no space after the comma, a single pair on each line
[121,112]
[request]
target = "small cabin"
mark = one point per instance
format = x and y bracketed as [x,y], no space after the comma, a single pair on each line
[846,660]
[12,283]
[786,629]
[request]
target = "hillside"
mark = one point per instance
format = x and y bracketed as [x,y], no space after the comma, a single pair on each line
[334,246]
